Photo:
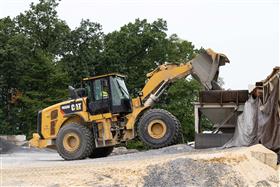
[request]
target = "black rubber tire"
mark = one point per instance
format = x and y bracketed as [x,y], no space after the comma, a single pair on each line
[173,132]
[86,142]
[101,152]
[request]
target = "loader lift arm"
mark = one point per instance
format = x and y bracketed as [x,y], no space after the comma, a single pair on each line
[204,68]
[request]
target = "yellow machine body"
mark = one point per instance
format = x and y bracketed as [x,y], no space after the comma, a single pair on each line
[53,118]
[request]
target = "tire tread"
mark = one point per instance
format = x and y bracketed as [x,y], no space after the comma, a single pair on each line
[178,130]
[89,141]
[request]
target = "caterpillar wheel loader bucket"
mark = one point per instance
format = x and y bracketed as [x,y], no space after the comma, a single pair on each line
[205,68]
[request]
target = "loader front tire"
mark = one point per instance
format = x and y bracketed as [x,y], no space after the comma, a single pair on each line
[101,152]
[159,128]
[74,142]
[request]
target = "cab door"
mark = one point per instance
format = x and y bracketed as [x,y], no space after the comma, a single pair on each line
[99,102]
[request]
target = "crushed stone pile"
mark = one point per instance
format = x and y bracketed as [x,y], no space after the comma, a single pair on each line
[189,172]
[122,151]
[6,146]
[178,165]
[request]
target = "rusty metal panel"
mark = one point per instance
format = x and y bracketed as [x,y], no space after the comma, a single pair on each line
[203,141]
[224,96]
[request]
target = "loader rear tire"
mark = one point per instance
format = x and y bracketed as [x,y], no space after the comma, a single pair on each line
[101,152]
[159,128]
[74,142]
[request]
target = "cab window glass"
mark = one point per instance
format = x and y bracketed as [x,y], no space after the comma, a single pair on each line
[101,89]
[116,92]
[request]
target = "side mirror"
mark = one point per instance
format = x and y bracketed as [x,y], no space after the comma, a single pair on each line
[81,92]
[72,92]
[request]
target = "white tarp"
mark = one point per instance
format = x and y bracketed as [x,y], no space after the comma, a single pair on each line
[259,122]
[246,129]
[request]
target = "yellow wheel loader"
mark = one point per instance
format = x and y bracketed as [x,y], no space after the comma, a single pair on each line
[101,114]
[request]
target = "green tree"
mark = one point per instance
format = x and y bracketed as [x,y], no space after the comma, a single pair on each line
[14,53]
[131,51]
[30,77]
[43,27]
[83,52]
[179,50]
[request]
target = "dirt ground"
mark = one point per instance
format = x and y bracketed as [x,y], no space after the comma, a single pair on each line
[178,165]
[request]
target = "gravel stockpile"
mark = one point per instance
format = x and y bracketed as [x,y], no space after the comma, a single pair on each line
[178,165]
[123,151]
[6,147]
[180,148]
[189,172]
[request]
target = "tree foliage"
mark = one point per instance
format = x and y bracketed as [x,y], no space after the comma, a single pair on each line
[29,77]
[133,50]
[40,55]
[82,52]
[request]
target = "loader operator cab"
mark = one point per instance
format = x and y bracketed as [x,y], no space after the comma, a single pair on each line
[107,93]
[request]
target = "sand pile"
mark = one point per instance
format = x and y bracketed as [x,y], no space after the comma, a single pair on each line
[178,165]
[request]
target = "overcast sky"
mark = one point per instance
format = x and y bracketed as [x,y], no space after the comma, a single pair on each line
[246,31]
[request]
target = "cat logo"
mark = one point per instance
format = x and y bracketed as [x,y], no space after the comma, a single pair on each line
[76,106]
[72,107]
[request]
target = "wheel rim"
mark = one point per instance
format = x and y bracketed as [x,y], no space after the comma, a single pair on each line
[71,142]
[157,129]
